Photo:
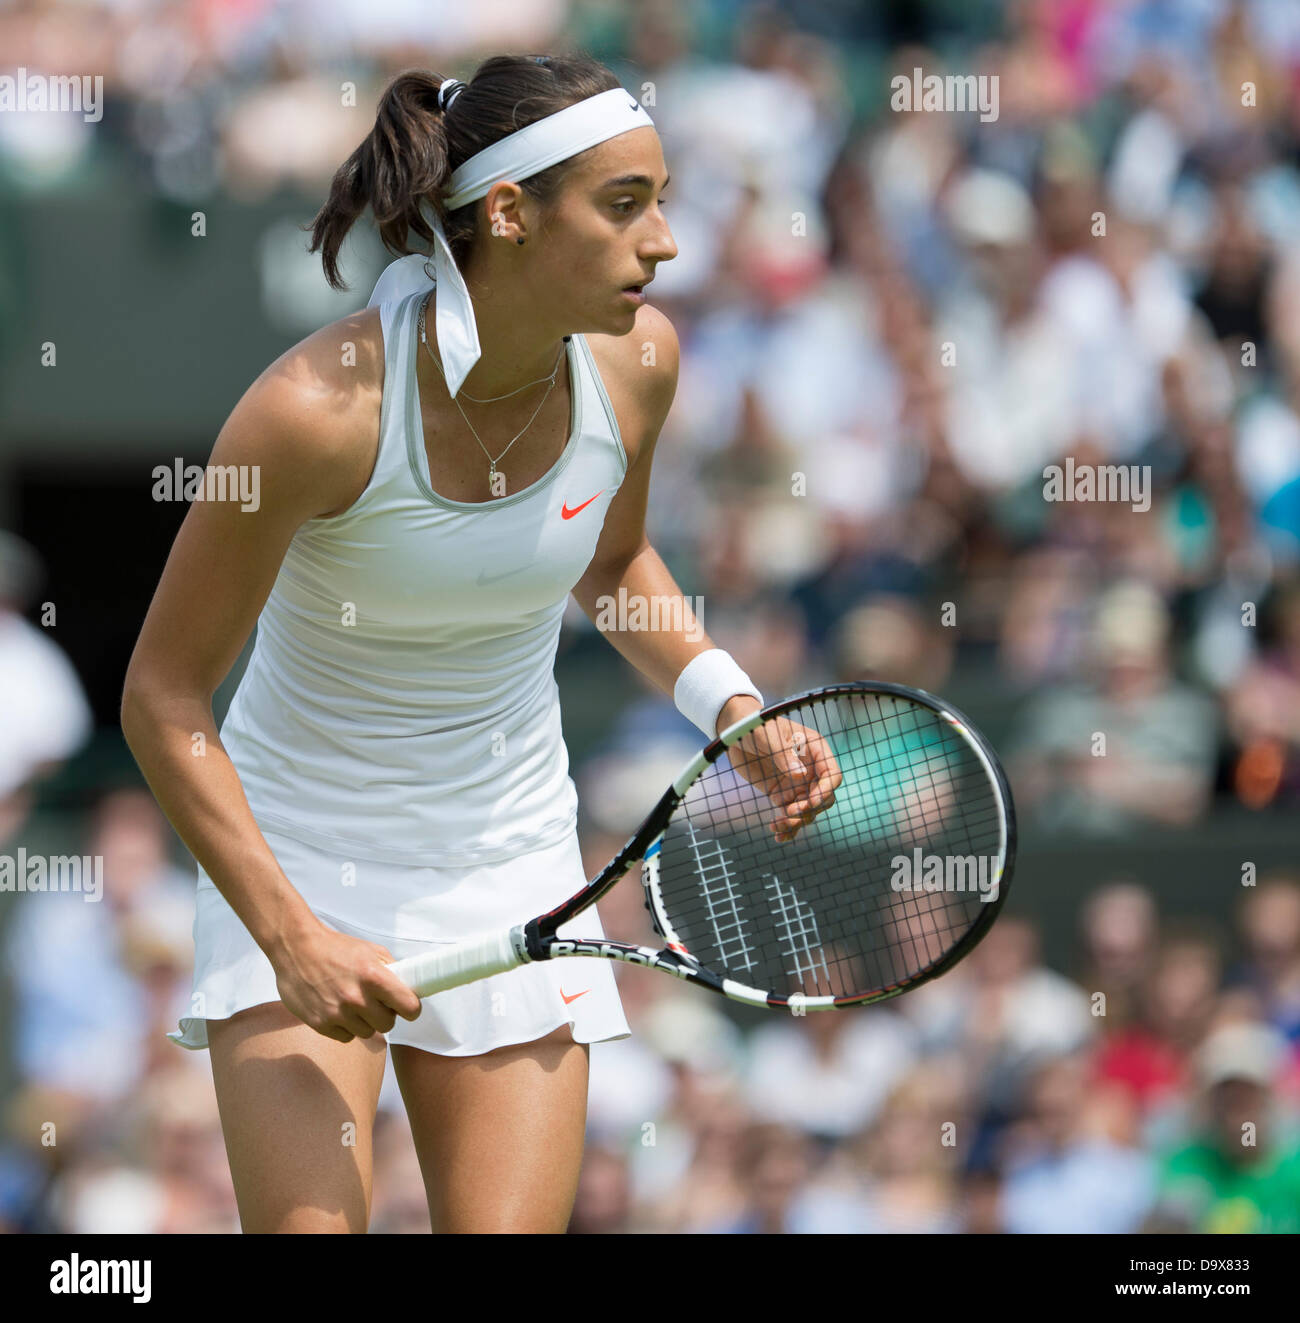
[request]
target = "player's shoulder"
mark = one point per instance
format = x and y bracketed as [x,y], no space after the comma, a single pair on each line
[648,355]
[312,416]
[330,381]
[639,371]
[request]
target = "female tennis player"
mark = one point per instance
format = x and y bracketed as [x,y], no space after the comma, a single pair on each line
[437,474]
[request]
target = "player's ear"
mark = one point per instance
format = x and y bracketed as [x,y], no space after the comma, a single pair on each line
[509,212]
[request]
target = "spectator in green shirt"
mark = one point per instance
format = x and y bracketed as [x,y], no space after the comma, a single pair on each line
[1241,1173]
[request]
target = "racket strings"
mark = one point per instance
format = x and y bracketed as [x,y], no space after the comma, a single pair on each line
[875,891]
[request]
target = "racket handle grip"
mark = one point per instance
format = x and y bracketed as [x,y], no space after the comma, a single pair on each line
[479,957]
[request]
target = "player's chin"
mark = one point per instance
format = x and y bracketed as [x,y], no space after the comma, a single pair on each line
[618,314]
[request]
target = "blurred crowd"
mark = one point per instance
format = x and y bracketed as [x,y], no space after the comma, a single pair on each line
[1153,1086]
[1156,1087]
[892,324]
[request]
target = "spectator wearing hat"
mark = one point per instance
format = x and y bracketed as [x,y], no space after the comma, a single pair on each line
[1240,1172]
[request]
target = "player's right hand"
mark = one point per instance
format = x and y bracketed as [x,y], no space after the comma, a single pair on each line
[341,986]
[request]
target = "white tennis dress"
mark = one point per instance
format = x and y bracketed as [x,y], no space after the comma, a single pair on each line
[397,730]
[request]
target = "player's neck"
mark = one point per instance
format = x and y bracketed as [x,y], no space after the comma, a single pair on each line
[517,347]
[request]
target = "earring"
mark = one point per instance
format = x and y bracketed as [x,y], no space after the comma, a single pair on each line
[497,222]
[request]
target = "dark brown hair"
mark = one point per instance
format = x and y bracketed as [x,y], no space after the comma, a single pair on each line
[415,146]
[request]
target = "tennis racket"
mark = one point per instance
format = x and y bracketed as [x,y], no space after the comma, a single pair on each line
[901,863]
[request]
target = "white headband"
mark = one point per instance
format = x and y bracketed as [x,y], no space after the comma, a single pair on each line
[517,156]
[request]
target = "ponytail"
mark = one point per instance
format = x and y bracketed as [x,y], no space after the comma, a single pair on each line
[401,163]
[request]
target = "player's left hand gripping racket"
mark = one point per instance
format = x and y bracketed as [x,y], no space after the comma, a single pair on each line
[902,861]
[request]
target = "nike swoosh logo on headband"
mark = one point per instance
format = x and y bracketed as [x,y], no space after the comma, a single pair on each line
[566,513]
[632,105]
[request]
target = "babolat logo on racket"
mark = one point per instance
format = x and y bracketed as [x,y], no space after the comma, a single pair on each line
[612,951]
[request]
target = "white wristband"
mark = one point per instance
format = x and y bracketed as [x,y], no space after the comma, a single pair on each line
[705,685]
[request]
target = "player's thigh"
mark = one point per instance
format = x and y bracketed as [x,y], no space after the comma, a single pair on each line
[298,1111]
[499,1136]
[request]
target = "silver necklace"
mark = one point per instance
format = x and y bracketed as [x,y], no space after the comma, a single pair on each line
[492,463]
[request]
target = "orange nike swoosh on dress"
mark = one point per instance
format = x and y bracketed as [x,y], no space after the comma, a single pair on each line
[566,513]
[584,992]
